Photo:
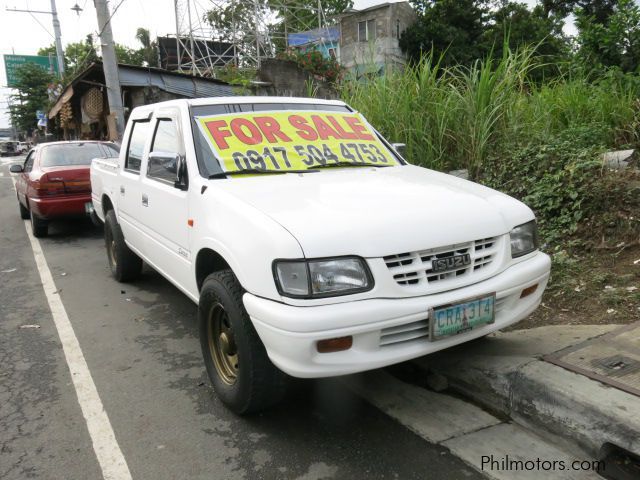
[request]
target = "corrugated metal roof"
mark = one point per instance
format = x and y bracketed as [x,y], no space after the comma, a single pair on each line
[191,87]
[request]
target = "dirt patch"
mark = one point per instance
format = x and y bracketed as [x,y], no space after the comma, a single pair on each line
[598,287]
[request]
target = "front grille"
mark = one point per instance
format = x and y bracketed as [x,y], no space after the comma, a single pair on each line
[415,268]
[404,333]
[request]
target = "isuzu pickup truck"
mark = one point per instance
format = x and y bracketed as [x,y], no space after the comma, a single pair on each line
[312,248]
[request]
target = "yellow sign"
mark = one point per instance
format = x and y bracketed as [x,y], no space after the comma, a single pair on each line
[292,140]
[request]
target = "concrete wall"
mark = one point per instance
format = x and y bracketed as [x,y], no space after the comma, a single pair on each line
[288,80]
[382,52]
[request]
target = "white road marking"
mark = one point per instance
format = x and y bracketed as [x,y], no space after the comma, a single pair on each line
[110,457]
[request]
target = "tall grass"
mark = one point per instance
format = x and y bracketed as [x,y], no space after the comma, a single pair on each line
[459,117]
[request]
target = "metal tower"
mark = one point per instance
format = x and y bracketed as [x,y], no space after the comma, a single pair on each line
[243,32]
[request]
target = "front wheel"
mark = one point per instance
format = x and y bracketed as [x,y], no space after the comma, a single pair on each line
[125,265]
[239,368]
[24,212]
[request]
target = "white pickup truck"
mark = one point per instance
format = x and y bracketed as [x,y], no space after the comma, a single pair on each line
[311,247]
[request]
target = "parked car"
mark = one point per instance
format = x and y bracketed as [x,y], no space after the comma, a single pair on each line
[8,148]
[311,247]
[23,147]
[53,182]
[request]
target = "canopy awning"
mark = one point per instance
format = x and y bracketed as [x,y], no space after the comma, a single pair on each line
[65,97]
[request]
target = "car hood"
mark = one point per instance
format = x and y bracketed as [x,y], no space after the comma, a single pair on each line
[373,212]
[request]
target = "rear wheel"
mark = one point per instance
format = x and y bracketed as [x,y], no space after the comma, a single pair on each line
[125,265]
[24,212]
[239,368]
[39,226]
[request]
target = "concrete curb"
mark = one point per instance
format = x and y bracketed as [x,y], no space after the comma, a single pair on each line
[503,373]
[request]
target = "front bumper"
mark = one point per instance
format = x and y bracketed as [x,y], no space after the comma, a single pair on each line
[383,330]
[62,206]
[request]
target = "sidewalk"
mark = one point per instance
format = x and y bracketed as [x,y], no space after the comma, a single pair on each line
[505,373]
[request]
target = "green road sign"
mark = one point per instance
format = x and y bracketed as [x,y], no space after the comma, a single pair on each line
[12,62]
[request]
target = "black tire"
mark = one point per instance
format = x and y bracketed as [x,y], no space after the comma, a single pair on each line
[39,226]
[24,212]
[255,383]
[125,265]
[95,219]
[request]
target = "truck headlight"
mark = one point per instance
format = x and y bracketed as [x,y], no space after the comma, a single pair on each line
[524,239]
[322,278]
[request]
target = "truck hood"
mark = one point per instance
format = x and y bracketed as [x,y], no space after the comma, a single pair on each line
[374,212]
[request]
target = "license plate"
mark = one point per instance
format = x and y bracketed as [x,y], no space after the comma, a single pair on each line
[456,318]
[88,208]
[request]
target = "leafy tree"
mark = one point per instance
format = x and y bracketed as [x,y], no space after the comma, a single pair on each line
[77,55]
[614,43]
[32,83]
[149,50]
[451,28]
[128,55]
[599,10]
[514,25]
[300,15]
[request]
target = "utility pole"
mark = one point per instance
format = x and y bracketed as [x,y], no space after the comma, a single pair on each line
[110,65]
[58,36]
[56,31]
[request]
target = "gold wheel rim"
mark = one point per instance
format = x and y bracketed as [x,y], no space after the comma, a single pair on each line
[222,345]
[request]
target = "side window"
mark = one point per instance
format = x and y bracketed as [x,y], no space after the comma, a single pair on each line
[28,163]
[366,30]
[166,140]
[137,139]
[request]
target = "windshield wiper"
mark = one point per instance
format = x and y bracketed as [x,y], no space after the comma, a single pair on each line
[256,171]
[349,164]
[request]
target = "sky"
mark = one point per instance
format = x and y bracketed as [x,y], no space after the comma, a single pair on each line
[24,33]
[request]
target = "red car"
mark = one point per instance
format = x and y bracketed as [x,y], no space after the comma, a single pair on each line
[54,181]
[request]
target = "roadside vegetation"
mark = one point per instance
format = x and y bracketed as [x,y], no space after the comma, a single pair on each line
[541,142]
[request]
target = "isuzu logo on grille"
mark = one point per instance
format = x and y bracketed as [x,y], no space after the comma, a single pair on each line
[454,262]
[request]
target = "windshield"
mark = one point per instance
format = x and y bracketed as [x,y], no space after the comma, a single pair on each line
[268,137]
[76,153]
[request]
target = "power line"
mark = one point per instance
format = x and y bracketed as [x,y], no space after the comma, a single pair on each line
[110,17]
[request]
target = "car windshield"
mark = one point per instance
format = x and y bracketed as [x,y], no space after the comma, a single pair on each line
[80,153]
[280,137]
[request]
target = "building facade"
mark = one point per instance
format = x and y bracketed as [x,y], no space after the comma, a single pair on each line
[369,38]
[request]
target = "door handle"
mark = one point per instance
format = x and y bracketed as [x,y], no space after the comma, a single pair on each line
[121,189]
[145,200]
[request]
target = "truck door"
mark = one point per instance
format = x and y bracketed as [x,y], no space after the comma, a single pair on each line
[165,205]
[128,188]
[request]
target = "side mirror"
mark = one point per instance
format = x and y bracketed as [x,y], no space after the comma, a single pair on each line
[172,163]
[400,148]
[182,174]
[16,169]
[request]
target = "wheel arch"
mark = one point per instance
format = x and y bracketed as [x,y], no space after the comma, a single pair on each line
[209,261]
[107,204]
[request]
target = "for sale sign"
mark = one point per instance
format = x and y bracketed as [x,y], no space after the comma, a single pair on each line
[292,140]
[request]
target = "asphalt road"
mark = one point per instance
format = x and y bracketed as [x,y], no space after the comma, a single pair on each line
[140,345]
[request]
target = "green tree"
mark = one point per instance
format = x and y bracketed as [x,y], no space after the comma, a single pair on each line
[514,25]
[32,83]
[77,55]
[452,29]
[128,55]
[300,15]
[149,50]
[613,43]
